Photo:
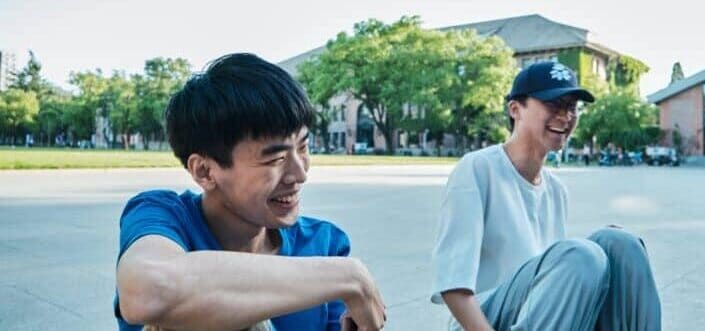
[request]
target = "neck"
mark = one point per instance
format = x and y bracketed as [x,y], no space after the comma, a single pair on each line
[526,158]
[232,232]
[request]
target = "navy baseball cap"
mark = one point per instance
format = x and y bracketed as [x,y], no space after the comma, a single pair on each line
[547,81]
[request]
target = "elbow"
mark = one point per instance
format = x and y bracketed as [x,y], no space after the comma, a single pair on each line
[144,293]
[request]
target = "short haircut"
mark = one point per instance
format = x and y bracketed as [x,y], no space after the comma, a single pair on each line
[239,96]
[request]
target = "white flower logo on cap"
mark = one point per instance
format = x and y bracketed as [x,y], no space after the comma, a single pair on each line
[560,72]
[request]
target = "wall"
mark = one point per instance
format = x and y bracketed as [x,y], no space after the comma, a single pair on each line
[686,110]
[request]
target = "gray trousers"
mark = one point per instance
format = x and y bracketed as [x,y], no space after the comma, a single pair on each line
[604,283]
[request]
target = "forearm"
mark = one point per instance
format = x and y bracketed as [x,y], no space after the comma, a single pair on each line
[466,310]
[211,290]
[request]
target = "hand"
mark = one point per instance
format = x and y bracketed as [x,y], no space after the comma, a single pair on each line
[347,323]
[365,307]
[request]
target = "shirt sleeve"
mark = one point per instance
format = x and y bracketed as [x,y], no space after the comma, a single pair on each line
[340,247]
[456,256]
[148,215]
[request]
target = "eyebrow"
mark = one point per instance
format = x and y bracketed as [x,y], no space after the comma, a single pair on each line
[276,148]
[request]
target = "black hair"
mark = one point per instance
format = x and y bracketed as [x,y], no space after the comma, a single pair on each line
[239,96]
[520,99]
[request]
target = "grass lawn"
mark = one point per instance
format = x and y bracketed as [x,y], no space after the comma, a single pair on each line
[54,158]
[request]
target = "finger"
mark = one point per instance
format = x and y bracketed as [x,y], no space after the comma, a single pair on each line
[343,316]
[350,324]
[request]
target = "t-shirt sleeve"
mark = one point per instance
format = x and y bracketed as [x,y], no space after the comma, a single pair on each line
[456,256]
[149,215]
[340,246]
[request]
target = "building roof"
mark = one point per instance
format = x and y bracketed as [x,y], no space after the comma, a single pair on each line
[524,34]
[533,33]
[677,87]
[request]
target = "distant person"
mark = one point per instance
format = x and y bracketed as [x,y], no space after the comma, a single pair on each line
[238,255]
[502,260]
[586,155]
[29,140]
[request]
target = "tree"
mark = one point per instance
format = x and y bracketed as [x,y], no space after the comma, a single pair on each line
[320,91]
[621,118]
[90,100]
[383,66]
[162,78]
[121,103]
[400,69]
[50,117]
[482,68]
[17,109]
[29,78]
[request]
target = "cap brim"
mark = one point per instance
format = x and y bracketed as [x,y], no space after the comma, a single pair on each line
[556,93]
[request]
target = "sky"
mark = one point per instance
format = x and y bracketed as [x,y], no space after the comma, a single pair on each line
[78,35]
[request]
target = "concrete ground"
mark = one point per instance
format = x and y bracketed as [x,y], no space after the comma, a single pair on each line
[58,235]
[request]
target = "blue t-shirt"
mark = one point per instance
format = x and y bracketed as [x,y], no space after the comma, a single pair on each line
[180,218]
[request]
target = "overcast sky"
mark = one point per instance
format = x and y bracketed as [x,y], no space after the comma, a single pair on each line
[75,35]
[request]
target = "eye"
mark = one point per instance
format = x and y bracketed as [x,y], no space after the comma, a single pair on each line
[276,161]
[304,146]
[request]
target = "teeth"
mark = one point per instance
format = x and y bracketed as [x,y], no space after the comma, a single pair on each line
[286,199]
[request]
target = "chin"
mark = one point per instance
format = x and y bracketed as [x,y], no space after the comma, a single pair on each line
[284,221]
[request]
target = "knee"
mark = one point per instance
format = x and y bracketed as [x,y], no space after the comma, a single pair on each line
[584,260]
[617,242]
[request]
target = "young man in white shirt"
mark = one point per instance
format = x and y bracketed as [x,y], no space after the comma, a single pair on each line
[502,261]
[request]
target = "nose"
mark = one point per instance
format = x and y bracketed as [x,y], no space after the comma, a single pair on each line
[297,169]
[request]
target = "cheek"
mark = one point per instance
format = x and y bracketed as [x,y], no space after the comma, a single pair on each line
[252,185]
[306,161]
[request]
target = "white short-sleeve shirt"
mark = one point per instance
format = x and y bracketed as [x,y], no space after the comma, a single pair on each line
[492,221]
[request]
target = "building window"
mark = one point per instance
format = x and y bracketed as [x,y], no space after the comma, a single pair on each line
[598,67]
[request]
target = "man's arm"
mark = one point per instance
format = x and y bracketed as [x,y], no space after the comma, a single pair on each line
[160,284]
[466,310]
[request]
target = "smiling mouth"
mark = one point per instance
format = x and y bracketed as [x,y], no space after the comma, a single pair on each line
[286,200]
[557,130]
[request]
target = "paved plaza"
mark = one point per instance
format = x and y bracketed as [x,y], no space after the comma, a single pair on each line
[58,235]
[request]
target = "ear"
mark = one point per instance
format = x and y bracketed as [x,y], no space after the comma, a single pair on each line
[201,170]
[513,108]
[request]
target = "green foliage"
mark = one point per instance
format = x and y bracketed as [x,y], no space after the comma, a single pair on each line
[29,78]
[162,78]
[411,78]
[50,117]
[619,117]
[580,61]
[629,71]
[121,104]
[132,104]
[485,71]
[17,110]
[570,58]
[384,66]
[90,101]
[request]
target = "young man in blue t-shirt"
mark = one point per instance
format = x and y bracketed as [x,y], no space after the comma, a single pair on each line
[238,253]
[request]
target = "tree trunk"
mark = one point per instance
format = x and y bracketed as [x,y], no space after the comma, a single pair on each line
[126,140]
[388,142]
[326,141]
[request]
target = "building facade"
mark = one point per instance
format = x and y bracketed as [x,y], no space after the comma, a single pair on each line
[682,113]
[7,68]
